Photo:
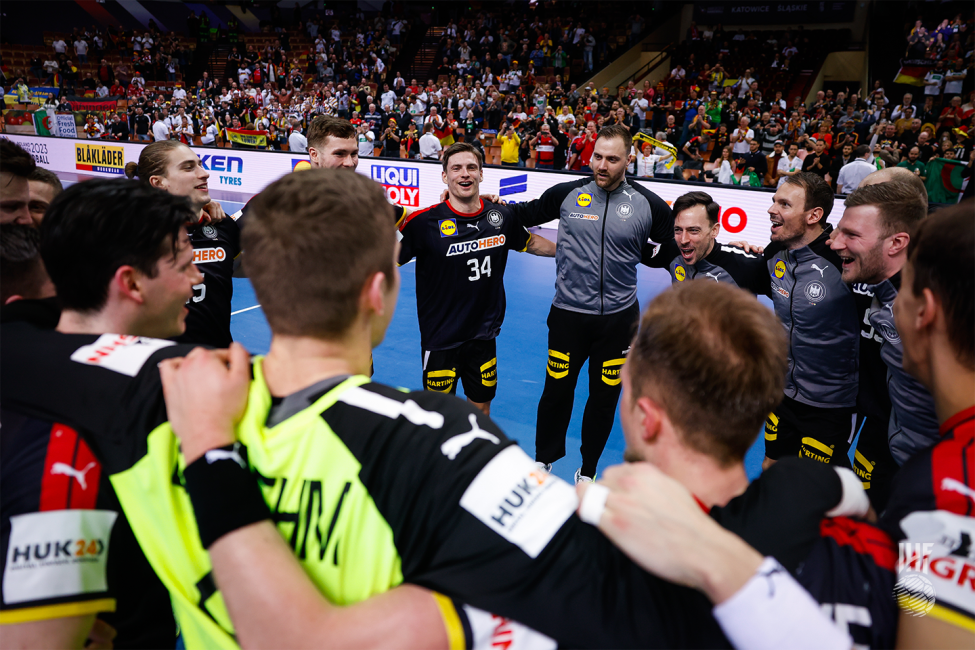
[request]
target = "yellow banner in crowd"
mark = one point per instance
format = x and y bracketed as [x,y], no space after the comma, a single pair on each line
[247,138]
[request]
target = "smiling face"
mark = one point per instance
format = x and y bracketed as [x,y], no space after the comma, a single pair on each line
[788,215]
[694,234]
[14,199]
[166,294]
[859,241]
[185,176]
[463,176]
[41,195]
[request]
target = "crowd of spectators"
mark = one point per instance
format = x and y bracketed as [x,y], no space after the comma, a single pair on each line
[346,74]
[722,114]
[325,64]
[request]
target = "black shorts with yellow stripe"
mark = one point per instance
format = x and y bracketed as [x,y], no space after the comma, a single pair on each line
[821,434]
[475,363]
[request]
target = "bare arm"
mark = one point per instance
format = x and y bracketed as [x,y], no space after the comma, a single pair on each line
[916,632]
[274,604]
[68,632]
[540,246]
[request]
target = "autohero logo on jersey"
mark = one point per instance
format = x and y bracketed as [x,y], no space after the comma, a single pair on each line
[57,553]
[402,184]
[228,169]
[519,501]
[119,353]
[101,158]
[207,255]
[464,247]
[582,215]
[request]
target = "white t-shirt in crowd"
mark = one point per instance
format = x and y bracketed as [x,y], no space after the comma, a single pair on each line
[786,165]
[297,142]
[160,131]
[852,173]
[366,146]
[211,134]
[429,146]
[953,86]
[934,89]
[741,145]
[640,107]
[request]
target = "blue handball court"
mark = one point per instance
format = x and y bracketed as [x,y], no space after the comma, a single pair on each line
[522,352]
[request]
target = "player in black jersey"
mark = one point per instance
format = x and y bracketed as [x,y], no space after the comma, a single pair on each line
[932,503]
[173,167]
[461,249]
[56,493]
[695,252]
[706,367]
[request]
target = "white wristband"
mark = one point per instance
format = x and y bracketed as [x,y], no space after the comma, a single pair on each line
[772,611]
[854,502]
[593,503]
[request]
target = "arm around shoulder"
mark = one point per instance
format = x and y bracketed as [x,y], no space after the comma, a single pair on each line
[540,246]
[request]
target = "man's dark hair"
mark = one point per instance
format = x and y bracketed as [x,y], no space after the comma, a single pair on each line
[691,199]
[20,262]
[94,227]
[818,192]
[462,147]
[49,177]
[324,127]
[15,160]
[618,131]
[942,256]
[861,150]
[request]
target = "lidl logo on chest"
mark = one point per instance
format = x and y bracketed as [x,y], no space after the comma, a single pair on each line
[448,227]
[206,255]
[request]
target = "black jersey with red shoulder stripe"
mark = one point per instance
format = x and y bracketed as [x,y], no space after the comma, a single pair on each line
[847,565]
[930,512]
[460,262]
[67,549]
[941,477]
[850,571]
[215,247]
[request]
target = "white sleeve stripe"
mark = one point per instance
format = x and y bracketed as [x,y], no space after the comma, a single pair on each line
[391,408]
[773,611]
[237,215]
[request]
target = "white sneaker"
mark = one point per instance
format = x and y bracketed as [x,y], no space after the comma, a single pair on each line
[579,478]
[546,466]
